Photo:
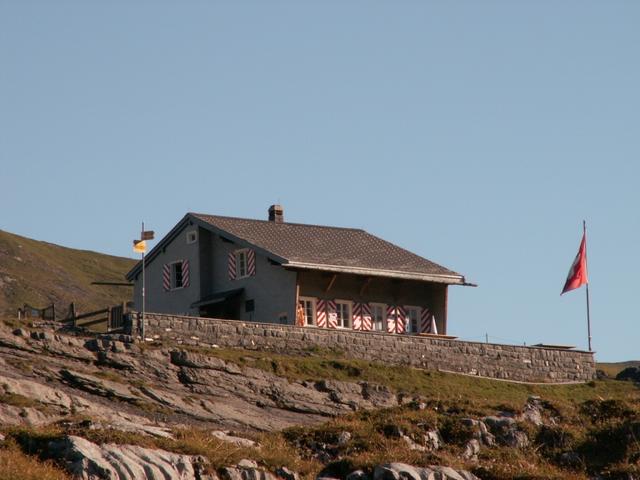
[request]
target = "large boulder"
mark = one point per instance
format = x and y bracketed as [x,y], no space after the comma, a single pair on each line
[88,461]
[629,373]
[402,471]
[506,431]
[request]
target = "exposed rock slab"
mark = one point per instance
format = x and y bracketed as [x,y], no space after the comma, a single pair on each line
[402,471]
[88,461]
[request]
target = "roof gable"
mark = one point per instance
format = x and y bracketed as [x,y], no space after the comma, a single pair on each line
[316,247]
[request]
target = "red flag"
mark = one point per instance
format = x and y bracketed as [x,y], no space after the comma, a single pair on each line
[578,271]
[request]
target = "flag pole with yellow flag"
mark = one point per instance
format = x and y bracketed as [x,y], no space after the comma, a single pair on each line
[140,246]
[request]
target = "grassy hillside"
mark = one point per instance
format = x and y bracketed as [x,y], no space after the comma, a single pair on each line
[612,369]
[40,273]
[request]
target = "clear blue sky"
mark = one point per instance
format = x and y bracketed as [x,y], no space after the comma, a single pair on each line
[477,134]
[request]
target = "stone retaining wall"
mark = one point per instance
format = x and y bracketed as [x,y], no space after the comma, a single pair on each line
[529,364]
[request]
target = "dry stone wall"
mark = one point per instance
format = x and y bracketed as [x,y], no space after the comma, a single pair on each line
[509,362]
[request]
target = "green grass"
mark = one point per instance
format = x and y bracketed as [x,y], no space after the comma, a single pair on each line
[39,273]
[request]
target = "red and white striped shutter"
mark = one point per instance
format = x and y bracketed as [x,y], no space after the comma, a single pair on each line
[425,316]
[251,262]
[357,316]
[401,320]
[367,320]
[391,319]
[186,277]
[166,277]
[231,263]
[332,314]
[321,313]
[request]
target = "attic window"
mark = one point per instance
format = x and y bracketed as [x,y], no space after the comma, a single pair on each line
[192,237]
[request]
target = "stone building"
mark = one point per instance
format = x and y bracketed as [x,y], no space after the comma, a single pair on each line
[277,272]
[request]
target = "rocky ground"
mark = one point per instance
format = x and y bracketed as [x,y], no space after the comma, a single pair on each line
[115,382]
[109,407]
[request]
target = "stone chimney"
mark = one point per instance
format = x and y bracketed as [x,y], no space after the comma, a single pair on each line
[276,214]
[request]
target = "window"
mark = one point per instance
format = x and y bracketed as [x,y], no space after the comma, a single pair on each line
[413,314]
[309,310]
[192,236]
[249,306]
[176,275]
[343,312]
[378,316]
[241,263]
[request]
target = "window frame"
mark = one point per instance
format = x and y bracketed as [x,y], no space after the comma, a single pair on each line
[383,306]
[349,319]
[418,311]
[173,270]
[242,252]
[192,237]
[314,311]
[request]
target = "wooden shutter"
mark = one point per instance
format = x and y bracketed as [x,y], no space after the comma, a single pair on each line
[166,277]
[251,262]
[425,317]
[231,264]
[357,316]
[186,277]
[367,320]
[401,318]
[321,313]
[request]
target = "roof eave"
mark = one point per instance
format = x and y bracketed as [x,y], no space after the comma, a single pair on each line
[452,279]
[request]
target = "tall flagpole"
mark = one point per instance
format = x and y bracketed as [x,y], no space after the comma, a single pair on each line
[584,230]
[143,283]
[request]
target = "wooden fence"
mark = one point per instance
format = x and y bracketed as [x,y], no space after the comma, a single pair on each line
[45,313]
[110,318]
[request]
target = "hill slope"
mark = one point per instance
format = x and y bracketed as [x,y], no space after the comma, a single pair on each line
[40,273]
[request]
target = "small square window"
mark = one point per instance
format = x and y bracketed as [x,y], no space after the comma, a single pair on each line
[192,236]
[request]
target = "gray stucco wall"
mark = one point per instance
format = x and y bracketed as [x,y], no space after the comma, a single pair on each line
[176,301]
[378,290]
[530,364]
[272,288]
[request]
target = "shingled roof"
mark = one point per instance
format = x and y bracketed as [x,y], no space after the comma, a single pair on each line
[316,247]
[330,249]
